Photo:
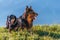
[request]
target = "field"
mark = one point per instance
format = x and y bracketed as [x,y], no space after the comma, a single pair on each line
[40,32]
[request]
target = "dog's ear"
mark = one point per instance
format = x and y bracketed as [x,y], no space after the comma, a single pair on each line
[26,7]
[30,7]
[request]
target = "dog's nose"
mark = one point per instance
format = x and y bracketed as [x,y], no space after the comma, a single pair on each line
[36,14]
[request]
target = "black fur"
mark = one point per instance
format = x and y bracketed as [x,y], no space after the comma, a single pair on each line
[13,26]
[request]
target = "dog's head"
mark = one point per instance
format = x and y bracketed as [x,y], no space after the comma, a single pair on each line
[12,18]
[30,13]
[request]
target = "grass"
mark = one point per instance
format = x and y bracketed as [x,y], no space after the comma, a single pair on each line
[40,32]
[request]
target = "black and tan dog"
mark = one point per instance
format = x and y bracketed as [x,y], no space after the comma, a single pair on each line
[27,18]
[24,21]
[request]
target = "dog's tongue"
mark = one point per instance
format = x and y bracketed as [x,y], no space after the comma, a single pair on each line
[34,18]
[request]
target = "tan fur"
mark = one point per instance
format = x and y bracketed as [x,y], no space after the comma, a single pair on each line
[30,18]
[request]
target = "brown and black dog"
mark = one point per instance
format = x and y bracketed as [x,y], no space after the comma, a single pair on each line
[27,18]
[24,21]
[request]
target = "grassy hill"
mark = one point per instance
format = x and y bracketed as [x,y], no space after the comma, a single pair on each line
[40,32]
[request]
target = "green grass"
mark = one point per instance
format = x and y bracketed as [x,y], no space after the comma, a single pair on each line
[40,32]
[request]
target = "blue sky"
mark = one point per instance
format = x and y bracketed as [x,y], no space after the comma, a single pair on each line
[48,10]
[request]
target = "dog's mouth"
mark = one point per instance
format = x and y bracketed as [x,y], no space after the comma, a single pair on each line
[35,16]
